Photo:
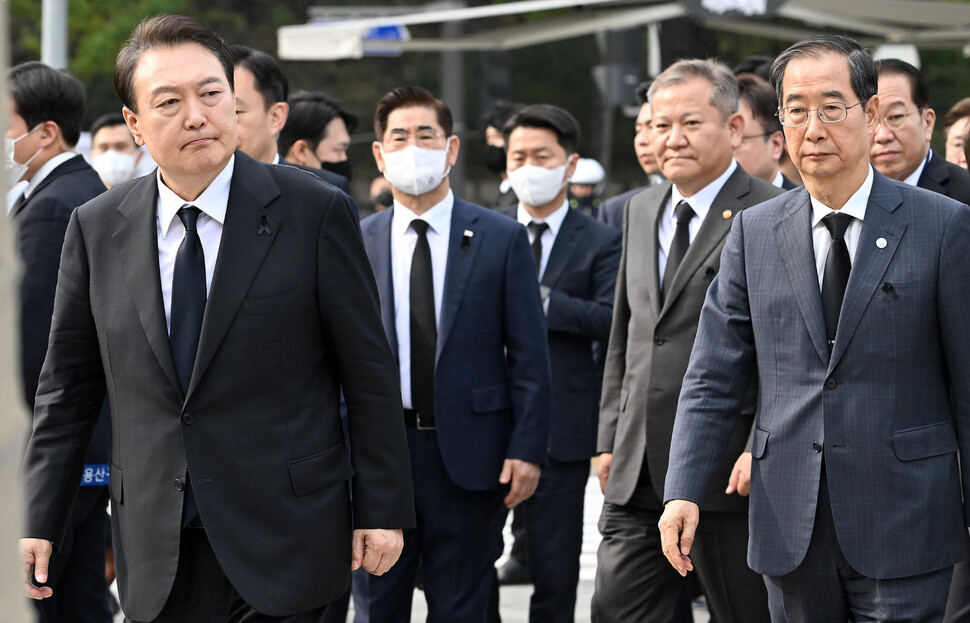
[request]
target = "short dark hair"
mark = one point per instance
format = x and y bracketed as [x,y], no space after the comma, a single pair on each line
[761,99]
[959,110]
[310,113]
[411,97]
[270,81]
[41,93]
[757,65]
[108,120]
[919,89]
[547,117]
[164,31]
[642,92]
[498,113]
[862,69]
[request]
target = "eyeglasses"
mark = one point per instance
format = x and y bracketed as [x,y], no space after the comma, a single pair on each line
[425,136]
[761,135]
[896,120]
[830,112]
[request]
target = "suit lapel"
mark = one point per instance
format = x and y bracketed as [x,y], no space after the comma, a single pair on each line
[871,259]
[138,251]
[245,243]
[65,167]
[462,253]
[563,248]
[934,175]
[794,237]
[712,231]
[378,246]
[642,222]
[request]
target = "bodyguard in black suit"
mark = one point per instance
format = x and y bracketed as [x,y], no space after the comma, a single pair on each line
[900,149]
[576,263]
[45,121]
[222,305]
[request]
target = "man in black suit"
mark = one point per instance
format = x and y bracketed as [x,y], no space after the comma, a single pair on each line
[45,110]
[317,133]
[262,110]
[222,304]
[577,259]
[900,149]
[763,143]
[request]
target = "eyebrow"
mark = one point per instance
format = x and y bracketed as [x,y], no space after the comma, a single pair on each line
[831,94]
[169,88]
[417,129]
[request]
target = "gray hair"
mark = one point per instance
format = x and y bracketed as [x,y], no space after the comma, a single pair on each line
[724,97]
[862,69]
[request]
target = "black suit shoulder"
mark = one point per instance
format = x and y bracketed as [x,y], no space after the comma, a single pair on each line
[946,178]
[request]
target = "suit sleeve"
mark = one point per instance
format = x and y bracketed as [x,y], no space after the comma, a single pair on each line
[721,365]
[953,302]
[69,398]
[589,317]
[40,234]
[527,353]
[348,299]
[615,368]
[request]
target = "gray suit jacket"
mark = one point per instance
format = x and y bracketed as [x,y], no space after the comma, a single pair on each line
[650,345]
[888,409]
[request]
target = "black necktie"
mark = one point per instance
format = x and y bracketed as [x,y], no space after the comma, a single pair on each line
[19,203]
[836,275]
[678,246]
[424,332]
[537,229]
[188,306]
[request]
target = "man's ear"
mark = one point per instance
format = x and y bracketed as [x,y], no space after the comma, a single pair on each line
[375,148]
[298,153]
[571,163]
[278,113]
[777,141]
[50,133]
[735,125]
[453,146]
[131,118]
[929,117]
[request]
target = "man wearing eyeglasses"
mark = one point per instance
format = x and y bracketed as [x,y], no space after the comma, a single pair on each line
[763,142]
[849,299]
[901,143]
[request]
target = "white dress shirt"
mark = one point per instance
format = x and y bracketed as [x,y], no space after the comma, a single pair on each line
[700,202]
[168,226]
[822,239]
[554,221]
[45,170]
[779,180]
[403,241]
[913,179]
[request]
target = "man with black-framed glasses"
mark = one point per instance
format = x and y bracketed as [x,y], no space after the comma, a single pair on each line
[763,142]
[900,147]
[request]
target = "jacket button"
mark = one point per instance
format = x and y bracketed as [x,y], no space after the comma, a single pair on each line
[658,340]
[830,384]
[179,485]
[187,418]
[817,446]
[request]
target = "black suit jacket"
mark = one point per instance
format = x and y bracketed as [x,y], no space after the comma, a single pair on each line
[787,184]
[945,178]
[580,275]
[292,318]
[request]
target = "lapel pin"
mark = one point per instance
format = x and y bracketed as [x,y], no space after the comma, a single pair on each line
[881,243]
[263,227]
[466,238]
[727,214]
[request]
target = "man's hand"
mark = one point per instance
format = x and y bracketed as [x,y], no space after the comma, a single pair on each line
[740,480]
[376,550]
[603,462]
[524,478]
[677,527]
[36,553]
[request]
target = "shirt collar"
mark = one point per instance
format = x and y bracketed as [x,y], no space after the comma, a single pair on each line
[276,158]
[438,216]
[212,202]
[554,220]
[701,201]
[46,169]
[913,179]
[779,180]
[855,206]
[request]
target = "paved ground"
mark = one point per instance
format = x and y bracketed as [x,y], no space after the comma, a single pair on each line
[514,600]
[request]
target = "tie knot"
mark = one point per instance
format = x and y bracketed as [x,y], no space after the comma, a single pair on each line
[537,228]
[420,226]
[837,224]
[684,212]
[189,215]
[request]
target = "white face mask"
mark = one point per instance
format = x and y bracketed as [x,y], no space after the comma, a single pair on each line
[13,169]
[115,167]
[415,170]
[537,186]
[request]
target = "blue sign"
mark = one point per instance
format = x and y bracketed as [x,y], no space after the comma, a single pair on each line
[97,475]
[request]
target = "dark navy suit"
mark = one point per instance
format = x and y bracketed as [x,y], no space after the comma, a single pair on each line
[492,393]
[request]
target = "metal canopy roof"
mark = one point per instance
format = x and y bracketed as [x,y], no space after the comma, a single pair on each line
[924,23]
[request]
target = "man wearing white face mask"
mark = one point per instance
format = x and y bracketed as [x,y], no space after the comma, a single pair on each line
[114,154]
[576,259]
[44,111]
[462,312]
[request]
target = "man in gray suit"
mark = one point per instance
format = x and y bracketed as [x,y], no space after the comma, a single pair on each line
[672,239]
[850,297]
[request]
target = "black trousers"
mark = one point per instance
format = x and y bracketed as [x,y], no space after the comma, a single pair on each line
[203,594]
